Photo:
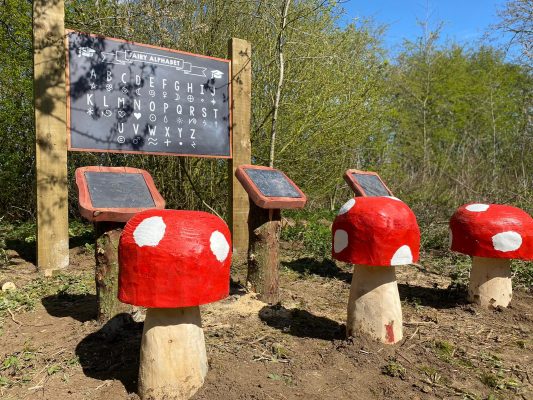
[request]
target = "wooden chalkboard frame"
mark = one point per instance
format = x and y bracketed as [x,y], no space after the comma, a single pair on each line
[263,201]
[67,85]
[94,214]
[356,187]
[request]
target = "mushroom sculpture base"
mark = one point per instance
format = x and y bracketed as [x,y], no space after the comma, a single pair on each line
[374,306]
[173,362]
[490,282]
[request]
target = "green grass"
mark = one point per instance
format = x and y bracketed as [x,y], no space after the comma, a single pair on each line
[26,297]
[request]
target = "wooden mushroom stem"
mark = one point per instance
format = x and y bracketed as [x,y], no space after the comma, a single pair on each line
[374,304]
[490,282]
[173,362]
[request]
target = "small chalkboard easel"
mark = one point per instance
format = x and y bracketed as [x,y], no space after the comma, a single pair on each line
[109,197]
[269,190]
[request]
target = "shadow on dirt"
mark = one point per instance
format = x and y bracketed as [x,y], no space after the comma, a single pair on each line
[301,323]
[106,356]
[81,307]
[433,297]
[325,268]
[28,250]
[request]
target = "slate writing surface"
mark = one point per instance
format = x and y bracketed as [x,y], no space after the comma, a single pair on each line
[272,183]
[118,190]
[136,98]
[371,184]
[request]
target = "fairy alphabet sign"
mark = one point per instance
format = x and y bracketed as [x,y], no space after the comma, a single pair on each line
[135,98]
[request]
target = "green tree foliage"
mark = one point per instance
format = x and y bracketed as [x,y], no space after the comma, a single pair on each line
[460,127]
[442,123]
[17,182]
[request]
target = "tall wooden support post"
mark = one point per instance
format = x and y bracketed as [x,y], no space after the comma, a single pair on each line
[50,131]
[241,74]
[106,276]
[263,254]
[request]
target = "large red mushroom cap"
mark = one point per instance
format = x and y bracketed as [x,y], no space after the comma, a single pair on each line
[380,231]
[492,231]
[174,259]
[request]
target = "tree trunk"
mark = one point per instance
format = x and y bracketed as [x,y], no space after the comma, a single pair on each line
[173,362]
[490,282]
[374,306]
[106,274]
[263,253]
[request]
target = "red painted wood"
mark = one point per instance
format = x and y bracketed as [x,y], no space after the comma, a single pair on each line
[91,213]
[354,185]
[268,202]
[374,231]
[181,269]
[478,231]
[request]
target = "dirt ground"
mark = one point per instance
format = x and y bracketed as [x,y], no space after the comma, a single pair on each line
[293,350]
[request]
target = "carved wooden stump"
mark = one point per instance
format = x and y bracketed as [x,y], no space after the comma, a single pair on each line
[106,273]
[263,252]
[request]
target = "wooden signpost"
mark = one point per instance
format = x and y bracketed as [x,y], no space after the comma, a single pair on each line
[269,190]
[130,98]
[51,146]
[109,197]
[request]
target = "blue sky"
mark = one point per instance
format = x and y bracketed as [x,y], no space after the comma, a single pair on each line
[465,21]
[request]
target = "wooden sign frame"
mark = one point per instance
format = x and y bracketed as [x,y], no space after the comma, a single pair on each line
[94,214]
[67,85]
[356,187]
[263,201]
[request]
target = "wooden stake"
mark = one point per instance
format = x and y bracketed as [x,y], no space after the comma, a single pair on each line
[106,274]
[374,306]
[173,362]
[490,282]
[50,132]
[263,253]
[241,72]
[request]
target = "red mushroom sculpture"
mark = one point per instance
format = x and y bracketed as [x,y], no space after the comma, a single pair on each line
[492,234]
[375,234]
[171,262]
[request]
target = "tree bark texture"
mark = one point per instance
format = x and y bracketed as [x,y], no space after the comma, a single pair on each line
[106,273]
[263,252]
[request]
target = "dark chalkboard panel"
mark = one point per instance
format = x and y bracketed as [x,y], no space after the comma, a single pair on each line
[118,190]
[272,183]
[371,184]
[127,97]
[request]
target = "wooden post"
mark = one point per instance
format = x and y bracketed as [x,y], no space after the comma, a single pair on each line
[50,132]
[241,78]
[263,253]
[106,274]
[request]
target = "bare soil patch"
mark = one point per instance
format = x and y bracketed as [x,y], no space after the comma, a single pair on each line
[293,350]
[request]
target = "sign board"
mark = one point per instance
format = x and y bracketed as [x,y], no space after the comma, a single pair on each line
[269,187]
[366,183]
[115,193]
[135,98]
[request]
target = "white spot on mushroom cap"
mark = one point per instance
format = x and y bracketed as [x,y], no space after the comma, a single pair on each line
[219,246]
[340,240]
[477,207]
[149,232]
[507,241]
[402,256]
[346,207]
